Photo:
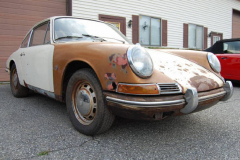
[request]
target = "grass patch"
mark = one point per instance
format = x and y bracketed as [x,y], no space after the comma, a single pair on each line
[43,153]
[1,83]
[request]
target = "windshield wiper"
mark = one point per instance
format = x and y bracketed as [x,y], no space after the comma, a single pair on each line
[94,37]
[68,37]
[102,38]
[115,39]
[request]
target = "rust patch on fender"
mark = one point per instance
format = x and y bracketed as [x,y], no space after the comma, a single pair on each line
[110,76]
[111,84]
[119,59]
[25,84]
[196,73]
[202,71]
[202,83]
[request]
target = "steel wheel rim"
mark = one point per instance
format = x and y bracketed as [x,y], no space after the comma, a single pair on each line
[84,102]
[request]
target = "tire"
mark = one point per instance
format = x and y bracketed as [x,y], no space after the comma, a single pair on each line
[86,104]
[17,89]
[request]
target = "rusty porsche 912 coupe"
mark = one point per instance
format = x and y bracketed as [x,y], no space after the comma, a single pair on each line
[92,67]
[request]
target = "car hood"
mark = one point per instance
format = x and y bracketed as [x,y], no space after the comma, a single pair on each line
[185,72]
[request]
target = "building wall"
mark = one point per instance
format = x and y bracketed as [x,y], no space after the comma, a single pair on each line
[17,18]
[216,15]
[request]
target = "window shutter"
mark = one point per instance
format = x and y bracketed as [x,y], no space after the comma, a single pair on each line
[69,7]
[205,37]
[164,32]
[135,29]
[185,35]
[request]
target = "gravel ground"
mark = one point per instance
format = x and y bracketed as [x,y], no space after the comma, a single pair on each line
[37,127]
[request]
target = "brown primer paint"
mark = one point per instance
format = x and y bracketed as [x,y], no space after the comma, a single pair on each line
[96,55]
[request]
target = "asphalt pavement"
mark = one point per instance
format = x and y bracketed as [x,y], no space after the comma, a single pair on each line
[37,127]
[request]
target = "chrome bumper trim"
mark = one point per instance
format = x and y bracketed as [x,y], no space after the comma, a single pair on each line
[146,104]
[191,97]
[228,87]
[212,96]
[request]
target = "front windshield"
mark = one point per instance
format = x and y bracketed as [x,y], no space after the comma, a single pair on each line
[73,29]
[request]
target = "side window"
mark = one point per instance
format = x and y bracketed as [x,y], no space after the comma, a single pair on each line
[25,41]
[47,36]
[38,35]
[231,47]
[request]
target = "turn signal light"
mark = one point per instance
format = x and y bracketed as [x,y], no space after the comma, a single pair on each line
[139,89]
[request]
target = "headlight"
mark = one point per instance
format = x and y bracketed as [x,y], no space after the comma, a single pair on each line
[214,62]
[140,61]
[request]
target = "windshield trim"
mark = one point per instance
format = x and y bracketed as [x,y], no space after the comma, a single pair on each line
[110,25]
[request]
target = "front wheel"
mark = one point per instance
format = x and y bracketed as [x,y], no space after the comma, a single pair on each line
[86,105]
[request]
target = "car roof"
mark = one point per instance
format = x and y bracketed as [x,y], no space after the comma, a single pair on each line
[229,40]
[55,17]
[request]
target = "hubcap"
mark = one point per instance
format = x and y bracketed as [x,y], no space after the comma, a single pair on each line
[85,104]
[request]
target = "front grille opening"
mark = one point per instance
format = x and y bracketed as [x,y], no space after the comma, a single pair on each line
[171,88]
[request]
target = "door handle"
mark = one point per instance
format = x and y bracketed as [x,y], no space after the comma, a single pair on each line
[224,57]
[22,54]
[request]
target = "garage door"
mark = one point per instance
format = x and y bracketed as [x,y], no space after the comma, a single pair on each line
[16,19]
[236,24]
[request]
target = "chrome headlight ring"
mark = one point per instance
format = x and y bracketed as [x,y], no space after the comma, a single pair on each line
[140,61]
[214,62]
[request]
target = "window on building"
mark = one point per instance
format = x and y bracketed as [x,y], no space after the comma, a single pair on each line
[195,36]
[215,39]
[215,36]
[150,31]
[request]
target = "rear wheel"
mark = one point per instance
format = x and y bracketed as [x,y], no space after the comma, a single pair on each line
[86,105]
[17,89]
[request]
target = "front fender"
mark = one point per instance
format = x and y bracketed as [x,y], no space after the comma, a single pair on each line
[108,60]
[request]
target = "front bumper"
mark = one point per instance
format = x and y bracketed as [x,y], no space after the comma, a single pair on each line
[158,107]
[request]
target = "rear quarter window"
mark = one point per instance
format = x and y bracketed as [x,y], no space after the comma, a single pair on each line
[25,41]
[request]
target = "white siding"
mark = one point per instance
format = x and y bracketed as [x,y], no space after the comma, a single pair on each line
[216,15]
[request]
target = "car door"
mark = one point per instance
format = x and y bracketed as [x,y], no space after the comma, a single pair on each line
[230,60]
[18,58]
[38,59]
